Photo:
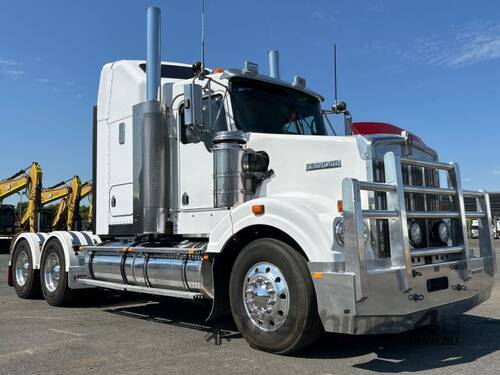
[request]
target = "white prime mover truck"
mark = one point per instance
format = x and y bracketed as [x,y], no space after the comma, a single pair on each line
[227,186]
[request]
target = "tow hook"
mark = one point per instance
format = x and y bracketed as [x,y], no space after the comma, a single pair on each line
[415,297]
[459,287]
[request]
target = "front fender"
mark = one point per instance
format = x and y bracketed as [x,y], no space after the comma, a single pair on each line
[307,218]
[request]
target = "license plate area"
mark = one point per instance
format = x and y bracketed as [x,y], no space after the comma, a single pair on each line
[439,283]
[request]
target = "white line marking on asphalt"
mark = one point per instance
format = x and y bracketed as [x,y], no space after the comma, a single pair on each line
[42,317]
[67,332]
[19,353]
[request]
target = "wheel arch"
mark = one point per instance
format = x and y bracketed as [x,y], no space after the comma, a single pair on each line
[35,242]
[223,262]
[69,241]
[304,219]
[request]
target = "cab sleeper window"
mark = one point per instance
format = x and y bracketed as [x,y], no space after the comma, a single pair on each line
[211,116]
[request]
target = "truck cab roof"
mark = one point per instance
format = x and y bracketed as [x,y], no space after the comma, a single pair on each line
[125,80]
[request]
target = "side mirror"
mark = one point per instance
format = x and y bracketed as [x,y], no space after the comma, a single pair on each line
[193,106]
[341,108]
[192,136]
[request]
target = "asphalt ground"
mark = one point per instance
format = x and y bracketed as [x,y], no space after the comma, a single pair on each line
[114,334]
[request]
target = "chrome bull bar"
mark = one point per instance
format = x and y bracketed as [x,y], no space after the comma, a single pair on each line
[401,253]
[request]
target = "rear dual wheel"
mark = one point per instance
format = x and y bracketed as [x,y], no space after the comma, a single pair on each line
[53,275]
[26,279]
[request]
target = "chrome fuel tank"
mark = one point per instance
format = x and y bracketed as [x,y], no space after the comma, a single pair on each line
[162,268]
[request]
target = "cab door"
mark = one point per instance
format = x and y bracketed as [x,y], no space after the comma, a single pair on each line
[195,159]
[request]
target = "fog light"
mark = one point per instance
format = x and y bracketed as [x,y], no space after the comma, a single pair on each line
[415,232]
[441,232]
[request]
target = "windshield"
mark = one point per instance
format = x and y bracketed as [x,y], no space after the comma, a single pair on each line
[266,108]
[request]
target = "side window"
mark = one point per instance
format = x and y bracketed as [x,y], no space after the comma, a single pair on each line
[214,116]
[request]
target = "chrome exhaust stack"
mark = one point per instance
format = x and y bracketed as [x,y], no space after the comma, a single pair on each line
[274,63]
[151,156]
[153,59]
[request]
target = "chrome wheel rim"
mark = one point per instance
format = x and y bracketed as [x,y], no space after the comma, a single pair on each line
[52,272]
[266,296]
[22,268]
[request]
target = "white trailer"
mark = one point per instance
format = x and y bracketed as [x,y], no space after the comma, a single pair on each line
[226,185]
[496,227]
[475,229]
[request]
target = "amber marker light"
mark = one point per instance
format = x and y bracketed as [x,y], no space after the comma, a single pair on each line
[258,209]
[340,206]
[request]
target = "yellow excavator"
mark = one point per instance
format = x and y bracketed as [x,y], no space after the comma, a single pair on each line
[30,179]
[87,192]
[66,211]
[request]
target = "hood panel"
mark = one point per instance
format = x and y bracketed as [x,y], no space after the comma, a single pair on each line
[309,164]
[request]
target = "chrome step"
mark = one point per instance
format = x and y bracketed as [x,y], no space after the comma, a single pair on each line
[141,289]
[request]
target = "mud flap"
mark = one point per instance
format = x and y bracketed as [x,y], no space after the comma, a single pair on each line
[221,271]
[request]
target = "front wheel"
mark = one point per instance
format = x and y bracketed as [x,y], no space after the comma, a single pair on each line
[272,297]
[53,275]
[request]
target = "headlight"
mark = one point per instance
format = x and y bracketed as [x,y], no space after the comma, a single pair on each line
[415,232]
[441,232]
[339,232]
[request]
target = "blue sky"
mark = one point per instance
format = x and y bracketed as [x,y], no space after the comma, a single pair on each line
[432,67]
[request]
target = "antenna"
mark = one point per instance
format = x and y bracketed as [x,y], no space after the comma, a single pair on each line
[340,107]
[202,37]
[335,69]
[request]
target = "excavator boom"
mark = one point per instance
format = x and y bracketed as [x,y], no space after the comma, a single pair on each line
[32,182]
[20,181]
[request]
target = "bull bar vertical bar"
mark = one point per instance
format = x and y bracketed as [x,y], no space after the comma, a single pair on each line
[486,235]
[355,261]
[457,185]
[398,228]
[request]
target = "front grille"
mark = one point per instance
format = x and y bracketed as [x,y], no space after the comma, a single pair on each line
[415,202]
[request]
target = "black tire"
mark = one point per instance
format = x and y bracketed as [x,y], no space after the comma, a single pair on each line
[31,287]
[62,295]
[301,326]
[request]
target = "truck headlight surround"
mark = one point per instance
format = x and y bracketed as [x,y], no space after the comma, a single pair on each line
[415,233]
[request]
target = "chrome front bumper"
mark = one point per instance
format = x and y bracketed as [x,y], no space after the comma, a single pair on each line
[381,295]
[387,309]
